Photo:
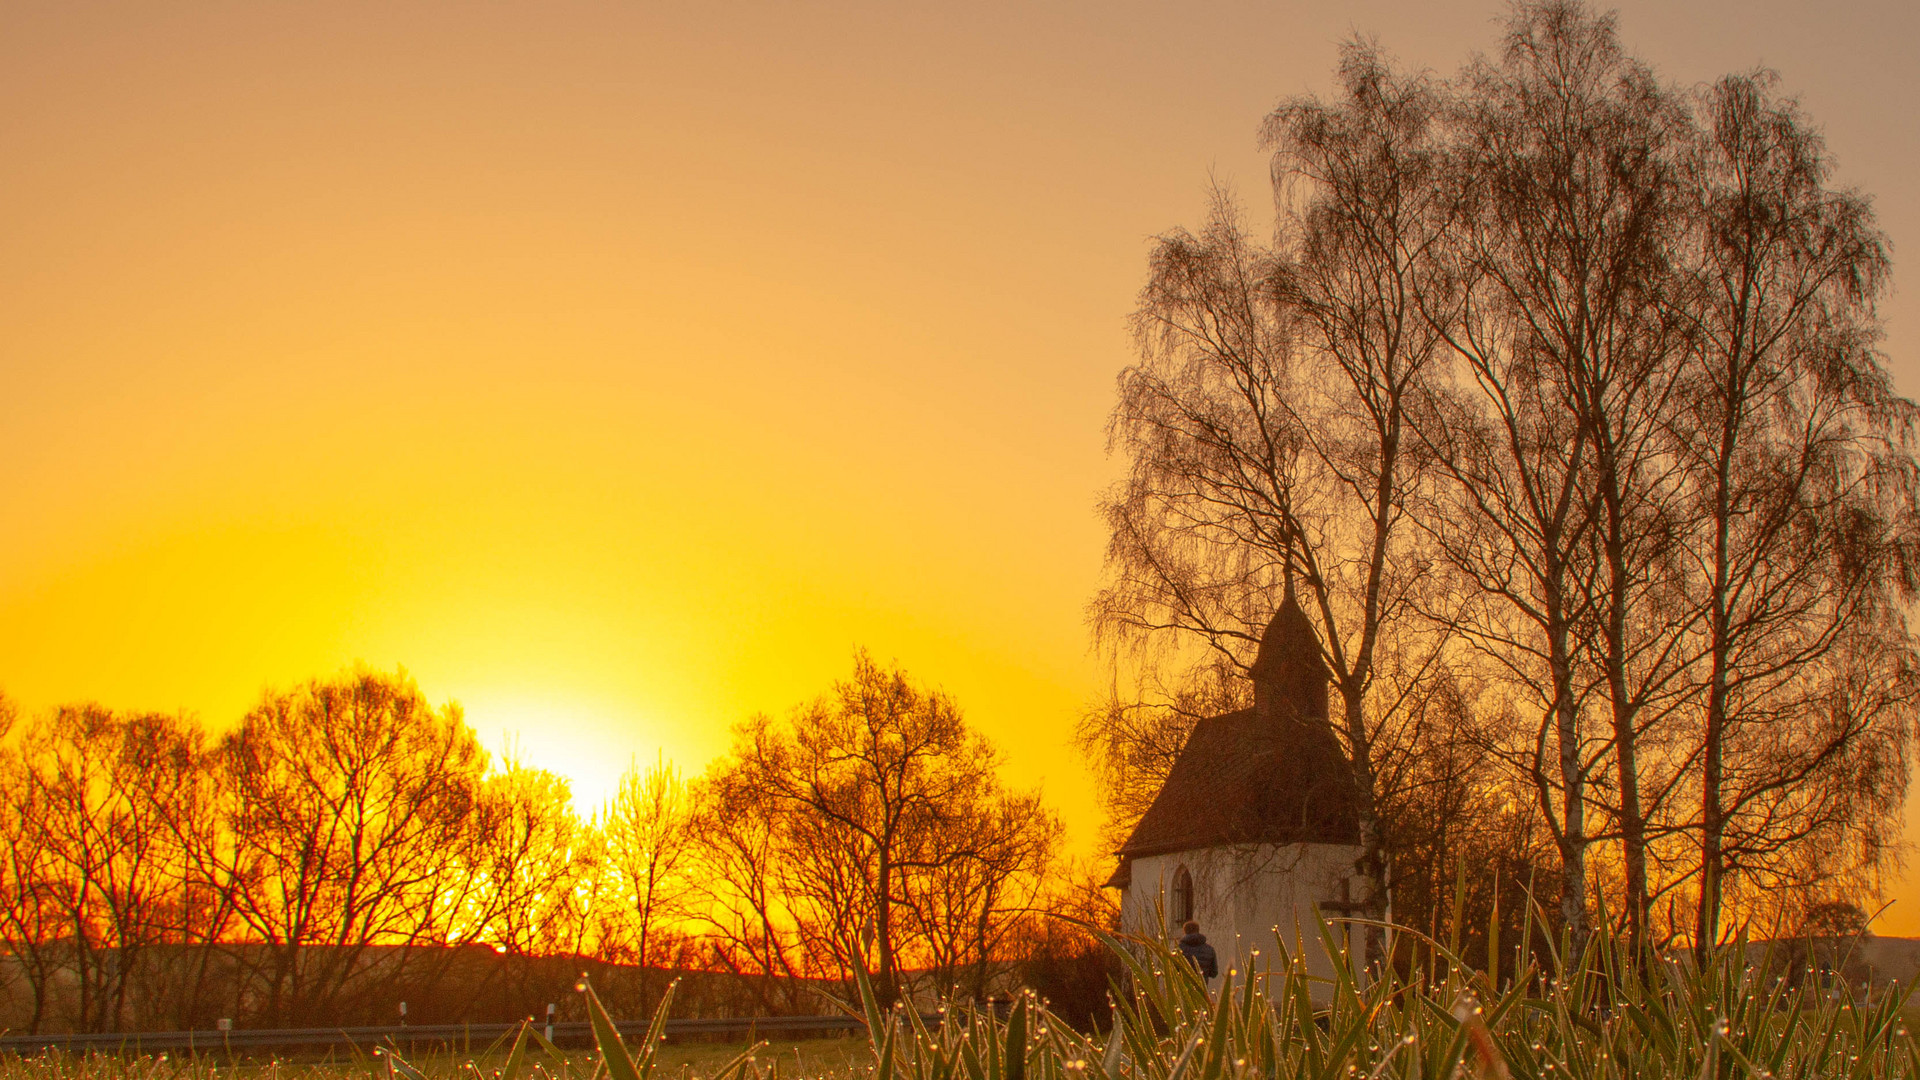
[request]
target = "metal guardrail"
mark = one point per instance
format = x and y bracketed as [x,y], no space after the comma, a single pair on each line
[469,1036]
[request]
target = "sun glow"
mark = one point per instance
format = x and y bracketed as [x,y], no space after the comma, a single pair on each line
[561,738]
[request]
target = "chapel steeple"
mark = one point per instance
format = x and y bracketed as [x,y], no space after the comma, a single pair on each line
[1272,774]
[1289,676]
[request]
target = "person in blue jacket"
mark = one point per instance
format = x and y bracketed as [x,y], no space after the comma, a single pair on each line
[1193,946]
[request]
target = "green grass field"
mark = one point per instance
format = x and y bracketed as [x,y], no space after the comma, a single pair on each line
[1605,1016]
[805,1059]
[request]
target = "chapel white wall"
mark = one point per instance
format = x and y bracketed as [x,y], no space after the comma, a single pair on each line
[1243,896]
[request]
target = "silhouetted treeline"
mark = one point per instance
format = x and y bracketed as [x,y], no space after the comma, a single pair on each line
[1556,393]
[349,846]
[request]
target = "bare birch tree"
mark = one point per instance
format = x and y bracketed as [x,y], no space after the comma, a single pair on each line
[1563,485]
[1803,483]
[1267,423]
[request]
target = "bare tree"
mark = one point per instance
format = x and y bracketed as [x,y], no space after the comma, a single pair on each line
[750,931]
[1612,369]
[102,858]
[965,907]
[1464,830]
[34,924]
[1268,421]
[1804,486]
[1559,518]
[648,829]
[348,820]
[538,865]
[198,986]
[869,791]
[1361,280]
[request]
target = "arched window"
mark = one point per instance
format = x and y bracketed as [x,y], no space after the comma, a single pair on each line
[1182,896]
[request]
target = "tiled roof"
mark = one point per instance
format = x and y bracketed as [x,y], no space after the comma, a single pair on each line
[1240,780]
[1272,774]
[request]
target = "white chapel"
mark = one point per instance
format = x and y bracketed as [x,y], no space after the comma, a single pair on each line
[1256,824]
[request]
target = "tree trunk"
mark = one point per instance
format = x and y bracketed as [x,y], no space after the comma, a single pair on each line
[1373,863]
[883,932]
[1713,757]
[1633,824]
[1573,816]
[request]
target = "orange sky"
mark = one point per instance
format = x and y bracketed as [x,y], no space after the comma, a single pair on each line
[619,368]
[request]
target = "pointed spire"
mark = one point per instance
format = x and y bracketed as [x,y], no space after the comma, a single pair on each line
[1289,676]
